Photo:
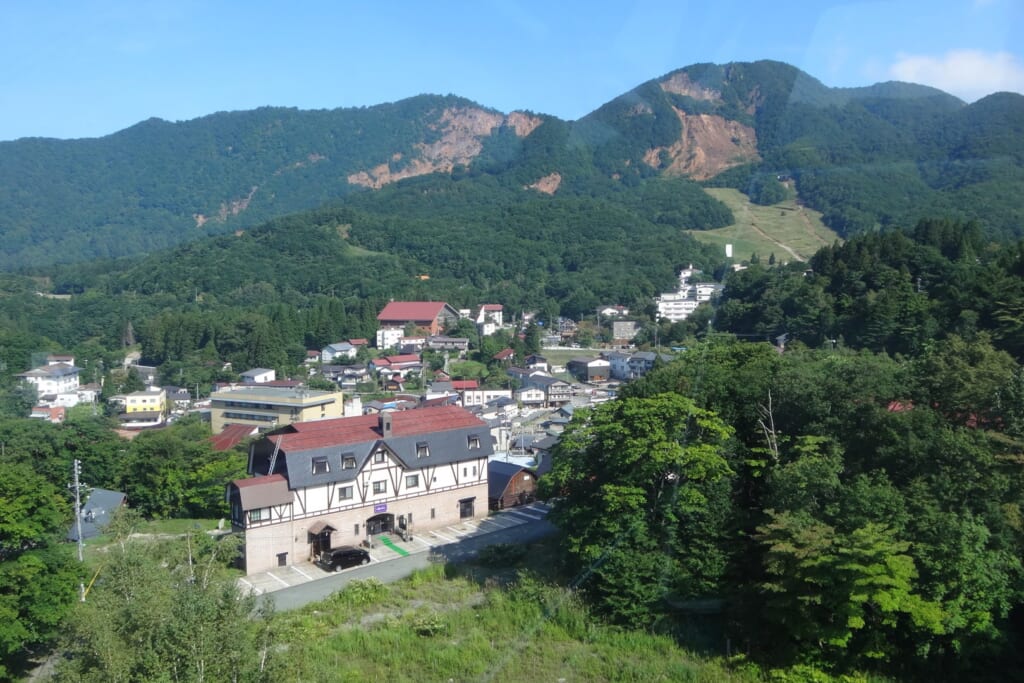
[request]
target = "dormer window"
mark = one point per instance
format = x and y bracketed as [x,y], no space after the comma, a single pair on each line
[320,466]
[378,457]
[348,461]
[422,450]
[474,441]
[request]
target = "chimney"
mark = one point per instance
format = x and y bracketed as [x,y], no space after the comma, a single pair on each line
[385,425]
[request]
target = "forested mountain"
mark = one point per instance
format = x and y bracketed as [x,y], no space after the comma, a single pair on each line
[887,154]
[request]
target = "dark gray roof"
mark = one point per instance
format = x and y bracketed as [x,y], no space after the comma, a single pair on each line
[545,380]
[545,444]
[499,474]
[96,512]
[445,447]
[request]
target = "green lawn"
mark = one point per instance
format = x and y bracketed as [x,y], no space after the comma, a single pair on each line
[790,231]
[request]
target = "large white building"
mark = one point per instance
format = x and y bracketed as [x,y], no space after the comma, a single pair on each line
[54,378]
[324,484]
[679,305]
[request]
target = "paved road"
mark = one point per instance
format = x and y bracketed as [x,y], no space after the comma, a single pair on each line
[395,567]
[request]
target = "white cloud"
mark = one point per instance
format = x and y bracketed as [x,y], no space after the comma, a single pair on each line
[968,74]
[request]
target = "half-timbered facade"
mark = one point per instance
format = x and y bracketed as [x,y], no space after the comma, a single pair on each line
[318,485]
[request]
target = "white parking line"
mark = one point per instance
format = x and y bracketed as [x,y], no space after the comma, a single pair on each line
[308,577]
[492,522]
[442,537]
[280,580]
[523,513]
[457,532]
[253,589]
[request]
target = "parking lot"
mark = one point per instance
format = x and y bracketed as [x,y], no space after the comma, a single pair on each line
[297,574]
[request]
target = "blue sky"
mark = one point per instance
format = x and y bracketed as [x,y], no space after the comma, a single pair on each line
[90,68]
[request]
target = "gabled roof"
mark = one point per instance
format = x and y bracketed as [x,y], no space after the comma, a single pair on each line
[504,354]
[546,380]
[55,370]
[405,311]
[464,384]
[499,474]
[493,307]
[446,429]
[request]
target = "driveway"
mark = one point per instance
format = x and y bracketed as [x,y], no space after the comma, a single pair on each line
[298,584]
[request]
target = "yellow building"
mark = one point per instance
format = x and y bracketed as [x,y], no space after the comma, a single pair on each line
[142,408]
[270,407]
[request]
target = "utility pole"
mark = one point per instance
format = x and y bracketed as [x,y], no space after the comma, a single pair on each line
[77,486]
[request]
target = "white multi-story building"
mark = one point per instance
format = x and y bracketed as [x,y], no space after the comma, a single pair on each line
[679,305]
[54,378]
[324,484]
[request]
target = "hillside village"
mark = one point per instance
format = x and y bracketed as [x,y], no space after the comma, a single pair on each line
[435,448]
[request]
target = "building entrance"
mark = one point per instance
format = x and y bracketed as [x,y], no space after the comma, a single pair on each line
[380,524]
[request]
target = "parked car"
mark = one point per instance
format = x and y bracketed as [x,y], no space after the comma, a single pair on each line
[346,556]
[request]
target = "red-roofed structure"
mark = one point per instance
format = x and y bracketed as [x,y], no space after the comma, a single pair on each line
[505,355]
[232,435]
[464,384]
[431,316]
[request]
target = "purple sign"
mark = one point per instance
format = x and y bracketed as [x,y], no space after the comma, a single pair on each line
[380,507]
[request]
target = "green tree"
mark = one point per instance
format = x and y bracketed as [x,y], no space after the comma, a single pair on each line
[38,575]
[168,612]
[838,599]
[627,475]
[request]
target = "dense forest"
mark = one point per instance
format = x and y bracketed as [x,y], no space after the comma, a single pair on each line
[847,510]
[885,155]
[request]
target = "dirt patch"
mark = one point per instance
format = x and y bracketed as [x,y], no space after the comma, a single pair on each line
[708,145]
[231,208]
[463,130]
[548,184]
[680,84]
[522,123]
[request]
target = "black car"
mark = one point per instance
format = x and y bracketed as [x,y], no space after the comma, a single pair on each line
[344,557]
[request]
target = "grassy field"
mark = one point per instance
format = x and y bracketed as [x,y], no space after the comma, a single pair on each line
[790,231]
[444,624]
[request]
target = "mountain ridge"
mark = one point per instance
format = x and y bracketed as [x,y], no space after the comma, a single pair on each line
[158,183]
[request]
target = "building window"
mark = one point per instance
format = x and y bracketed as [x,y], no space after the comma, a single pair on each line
[348,462]
[422,450]
[432,513]
[474,441]
[474,470]
[257,515]
[465,472]
[344,493]
[380,487]
[378,457]
[357,529]
[320,466]
[412,481]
